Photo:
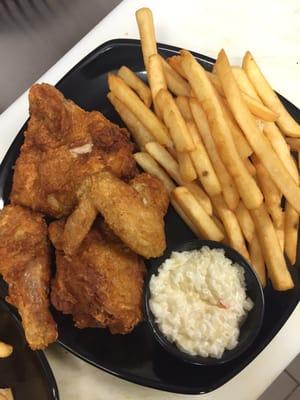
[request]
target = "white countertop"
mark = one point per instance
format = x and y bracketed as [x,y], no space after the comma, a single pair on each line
[270,29]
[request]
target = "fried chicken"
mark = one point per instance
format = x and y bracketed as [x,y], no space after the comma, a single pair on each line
[64,144]
[101,285]
[25,266]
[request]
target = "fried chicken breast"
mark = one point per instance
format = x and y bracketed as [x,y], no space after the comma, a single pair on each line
[100,285]
[64,144]
[25,266]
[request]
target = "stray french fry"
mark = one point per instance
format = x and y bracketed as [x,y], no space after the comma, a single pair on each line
[175,63]
[294,143]
[257,140]
[184,107]
[276,265]
[174,121]
[200,196]
[206,227]
[138,108]
[230,193]
[145,23]
[164,158]
[257,260]
[140,134]
[156,79]
[135,83]
[202,163]
[285,121]
[205,92]
[148,164]
[291,225]
[186,167]
[176,84]
[5,350]
[231,225]
[245,221]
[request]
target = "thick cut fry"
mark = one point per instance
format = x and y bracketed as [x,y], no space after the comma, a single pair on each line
[281,148]
[294,143]
[164,158]
[148,164]
[174,121]
[5,350]
[271,193]
[140,134]
[206,227]
[156,79]
[246,185]
[184,217]
[138,108]
[145,23]
[230,193]
[257,260]
[202,163]
[258,142]
[135,83]
[276,265]
[186,167]
[176,84]
[184,107]
[245,220]
[243,82]
[285,121]
[78,225]
[231,225]
[200,196]
[291,226]
[175,63]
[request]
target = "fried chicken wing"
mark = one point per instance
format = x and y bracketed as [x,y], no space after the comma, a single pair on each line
[25,266]
[101,285]
[64,144]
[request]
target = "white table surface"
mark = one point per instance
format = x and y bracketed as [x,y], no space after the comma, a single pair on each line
[270,29]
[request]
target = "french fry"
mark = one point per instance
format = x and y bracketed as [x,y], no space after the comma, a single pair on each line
[138,108]
[200,196]
[257,260]
[6,394]
[184,217]
[258,142]
[246,185]
[164,158]
[294,143]
[78,224]
[230,193]
[135,83]
[145,23]
[5,350]
[231,225]
[276,265]
[174,121]
[176,84]
[243,82]
[271,193]
[140,134]
[280,233]
[291,225]
[285,121]
[148,164]
[202,163]
[245,221]
[184,107]
[206,227]
[251,169]
[156,79]
[175,63]
[186,167]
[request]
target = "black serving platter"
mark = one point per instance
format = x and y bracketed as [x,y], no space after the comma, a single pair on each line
[138,357]
[26,372]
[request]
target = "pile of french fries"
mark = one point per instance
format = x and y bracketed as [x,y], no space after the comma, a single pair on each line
[221,143]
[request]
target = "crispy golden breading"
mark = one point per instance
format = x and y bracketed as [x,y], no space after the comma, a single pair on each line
[64,144]
[25,266]
[101,285]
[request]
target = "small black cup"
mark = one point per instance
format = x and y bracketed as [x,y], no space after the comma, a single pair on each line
[250,327]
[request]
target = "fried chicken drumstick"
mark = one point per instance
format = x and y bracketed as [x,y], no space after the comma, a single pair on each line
[25,266]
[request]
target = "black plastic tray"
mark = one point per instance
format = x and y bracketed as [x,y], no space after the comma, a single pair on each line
[137,357]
